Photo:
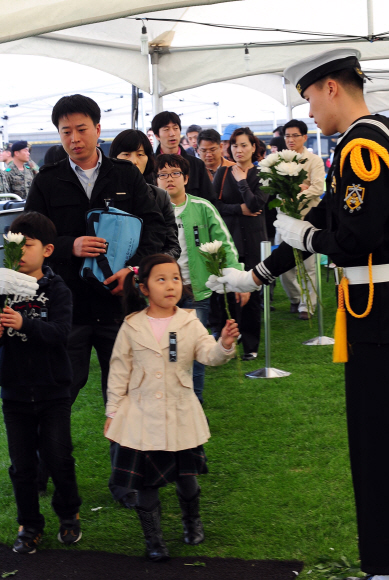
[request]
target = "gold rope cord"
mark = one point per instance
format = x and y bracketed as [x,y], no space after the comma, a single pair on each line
[343,289]
[376,151]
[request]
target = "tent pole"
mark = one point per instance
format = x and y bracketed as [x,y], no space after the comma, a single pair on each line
[157,101]
[288,104]
[370,19]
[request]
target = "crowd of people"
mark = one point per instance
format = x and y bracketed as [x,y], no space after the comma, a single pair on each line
[187,194]
[153,344]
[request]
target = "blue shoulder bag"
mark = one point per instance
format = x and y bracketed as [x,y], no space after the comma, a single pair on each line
[122,231]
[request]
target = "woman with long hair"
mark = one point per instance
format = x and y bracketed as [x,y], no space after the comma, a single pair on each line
[133,145]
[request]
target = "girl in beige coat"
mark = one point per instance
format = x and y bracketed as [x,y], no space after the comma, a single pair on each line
[152,411]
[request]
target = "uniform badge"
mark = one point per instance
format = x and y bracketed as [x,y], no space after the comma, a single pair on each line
[298,87]
[354,197]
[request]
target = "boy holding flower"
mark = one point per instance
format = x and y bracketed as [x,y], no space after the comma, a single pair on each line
[35,380]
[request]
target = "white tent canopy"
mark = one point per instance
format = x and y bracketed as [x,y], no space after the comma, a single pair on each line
[186,54]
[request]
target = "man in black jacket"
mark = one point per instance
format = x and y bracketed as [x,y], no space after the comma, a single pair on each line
[64,192]
[167,129]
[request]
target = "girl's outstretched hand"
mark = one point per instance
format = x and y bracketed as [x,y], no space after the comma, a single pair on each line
[229,333]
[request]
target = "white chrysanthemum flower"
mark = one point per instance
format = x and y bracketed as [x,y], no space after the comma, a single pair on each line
[10,237]
[291,169]
[265,182]
[288,155]
[211,247]
[270,160]
[264,170]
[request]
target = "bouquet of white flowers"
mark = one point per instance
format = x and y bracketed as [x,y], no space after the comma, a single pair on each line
[281,175]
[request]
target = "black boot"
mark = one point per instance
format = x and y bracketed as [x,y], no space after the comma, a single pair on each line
[151,525]
[193,527]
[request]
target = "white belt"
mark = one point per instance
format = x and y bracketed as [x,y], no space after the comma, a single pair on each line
[360,274]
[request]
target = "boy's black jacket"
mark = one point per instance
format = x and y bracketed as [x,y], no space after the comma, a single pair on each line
[35,364]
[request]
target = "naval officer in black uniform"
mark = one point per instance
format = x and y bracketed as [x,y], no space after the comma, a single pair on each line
[351,225]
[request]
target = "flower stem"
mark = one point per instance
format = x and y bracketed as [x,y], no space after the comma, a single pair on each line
[238,361]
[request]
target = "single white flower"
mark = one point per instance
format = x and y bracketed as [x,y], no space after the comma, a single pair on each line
[264,170]
[270,160]
[291,169]
[10,237]
[265,182]
[211,247]
[289,155]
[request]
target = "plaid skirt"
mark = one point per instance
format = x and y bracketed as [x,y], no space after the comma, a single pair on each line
[136,469]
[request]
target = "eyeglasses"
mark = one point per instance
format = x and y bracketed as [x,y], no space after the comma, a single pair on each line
[294,136]
[174,174]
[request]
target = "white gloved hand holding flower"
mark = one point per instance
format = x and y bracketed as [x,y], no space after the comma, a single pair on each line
[295,232]
[233,281]
[12,282]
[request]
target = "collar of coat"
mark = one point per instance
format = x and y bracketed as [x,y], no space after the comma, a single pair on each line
[145,336]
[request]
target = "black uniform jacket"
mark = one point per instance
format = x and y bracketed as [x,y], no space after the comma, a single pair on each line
[57,193]
[353,221]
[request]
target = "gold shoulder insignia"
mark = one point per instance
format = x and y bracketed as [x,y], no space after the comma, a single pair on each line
[357,164]
[354,197]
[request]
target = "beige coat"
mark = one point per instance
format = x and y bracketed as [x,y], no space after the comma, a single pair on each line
[156,407]
[314,166]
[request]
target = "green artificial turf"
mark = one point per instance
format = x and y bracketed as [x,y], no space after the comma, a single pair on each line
[279,484]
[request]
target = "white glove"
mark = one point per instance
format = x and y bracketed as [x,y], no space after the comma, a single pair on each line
[234,281]
[294,232]
[12,282]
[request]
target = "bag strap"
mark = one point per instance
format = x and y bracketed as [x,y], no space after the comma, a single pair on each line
[224,178]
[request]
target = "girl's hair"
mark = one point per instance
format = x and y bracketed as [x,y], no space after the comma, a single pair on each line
[133,300]
[251,137]
[130,140]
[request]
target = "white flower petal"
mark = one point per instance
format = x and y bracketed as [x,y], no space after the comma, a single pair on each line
[269,160]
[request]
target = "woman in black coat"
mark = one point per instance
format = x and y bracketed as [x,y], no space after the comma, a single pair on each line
[134,146]
[243,211]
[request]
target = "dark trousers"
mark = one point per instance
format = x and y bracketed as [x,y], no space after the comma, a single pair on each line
[43,426]
[367,399]
[81,340]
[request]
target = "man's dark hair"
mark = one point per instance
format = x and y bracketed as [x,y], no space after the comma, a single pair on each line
[280,129]
[252,138]
[130,140]
[163,119]
[301,126]
[173,161]
[36,226]
[347,77]
[76,104]
[208,135]
[194,129]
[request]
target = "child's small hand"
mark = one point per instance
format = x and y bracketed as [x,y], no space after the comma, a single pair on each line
[229,333]
[106,426]
[10,318]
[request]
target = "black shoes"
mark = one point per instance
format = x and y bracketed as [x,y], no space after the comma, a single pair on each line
[151,524]
[294,307]
[129,500]
[249,356]
[70,530]
[193,527]
[27,540]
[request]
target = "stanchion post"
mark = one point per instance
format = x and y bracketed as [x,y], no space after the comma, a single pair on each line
[319,340]
[267,372]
